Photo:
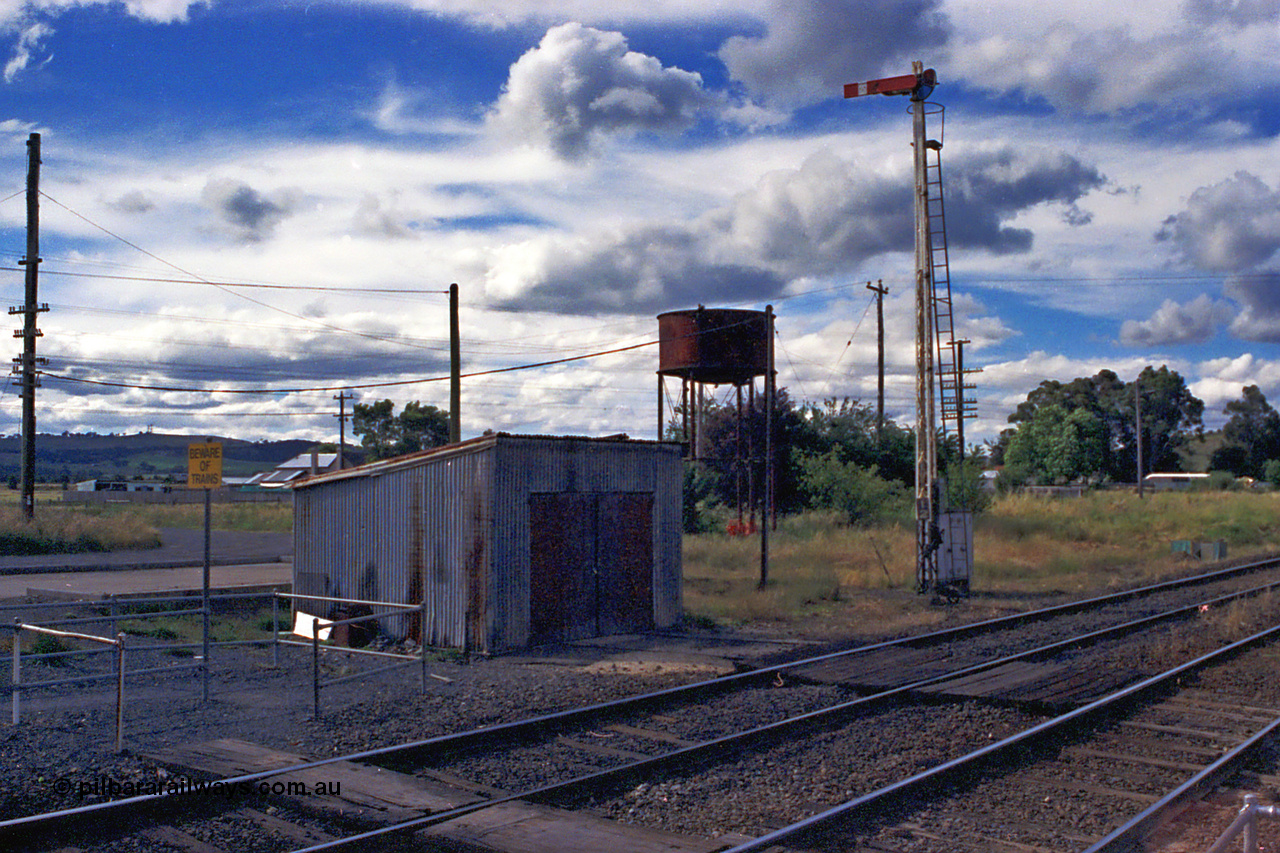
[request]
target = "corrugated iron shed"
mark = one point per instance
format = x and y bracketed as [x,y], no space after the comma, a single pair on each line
[511,540]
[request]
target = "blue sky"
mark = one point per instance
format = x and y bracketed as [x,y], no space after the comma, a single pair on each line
[1112,190]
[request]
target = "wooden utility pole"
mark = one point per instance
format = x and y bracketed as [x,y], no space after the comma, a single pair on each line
[342,399]
[455,369]
[1137,411]
[879,291]
[28,362]
[770,401]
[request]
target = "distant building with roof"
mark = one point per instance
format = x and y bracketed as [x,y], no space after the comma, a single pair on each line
[298,468]
[1176,481]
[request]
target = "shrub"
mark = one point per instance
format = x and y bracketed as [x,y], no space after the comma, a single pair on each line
[964,487]
[47,644]
[1219,481]
[859,494]
[700,501]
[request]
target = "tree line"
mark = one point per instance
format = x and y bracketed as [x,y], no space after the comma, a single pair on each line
[832,455]
[1090,430]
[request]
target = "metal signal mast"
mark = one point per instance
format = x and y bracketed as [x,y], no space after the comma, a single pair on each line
[936,349]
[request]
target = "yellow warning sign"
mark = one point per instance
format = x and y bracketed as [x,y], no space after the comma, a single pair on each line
[204,465]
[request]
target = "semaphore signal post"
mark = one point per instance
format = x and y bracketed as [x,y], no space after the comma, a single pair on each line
[948,576]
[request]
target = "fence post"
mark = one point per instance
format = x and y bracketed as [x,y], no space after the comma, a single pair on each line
[16,674]
[111,605]
[275,629]
[315,666]
[1251,825]
[120,692]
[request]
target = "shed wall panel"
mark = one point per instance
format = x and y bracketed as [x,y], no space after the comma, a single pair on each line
[533,465]
[455,526]
[332,545]
[433,541]
[396,574]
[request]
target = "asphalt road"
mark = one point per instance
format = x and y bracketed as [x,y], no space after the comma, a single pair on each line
[179,547]
[188,579]
[238,559]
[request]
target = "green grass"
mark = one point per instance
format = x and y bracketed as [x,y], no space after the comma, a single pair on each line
[828,579]
[189,628]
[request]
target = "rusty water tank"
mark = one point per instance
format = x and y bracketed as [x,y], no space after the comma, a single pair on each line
[714,346]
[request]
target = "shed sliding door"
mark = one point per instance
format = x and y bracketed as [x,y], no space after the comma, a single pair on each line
[590,564]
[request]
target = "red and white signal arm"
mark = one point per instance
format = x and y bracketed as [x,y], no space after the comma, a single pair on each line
[907,84]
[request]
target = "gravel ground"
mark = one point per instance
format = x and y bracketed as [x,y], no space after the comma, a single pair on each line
[61,754]
[63,749]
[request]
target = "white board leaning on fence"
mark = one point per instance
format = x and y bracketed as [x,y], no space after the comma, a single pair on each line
[305,625]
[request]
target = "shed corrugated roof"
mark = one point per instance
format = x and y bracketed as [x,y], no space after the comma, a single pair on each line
[472,445]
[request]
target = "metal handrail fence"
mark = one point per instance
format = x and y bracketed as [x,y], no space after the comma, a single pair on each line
[1245,826]
[118,611]
[314,641]
[118,608]
[16,677]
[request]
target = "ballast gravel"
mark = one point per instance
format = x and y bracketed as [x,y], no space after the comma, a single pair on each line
[61,754]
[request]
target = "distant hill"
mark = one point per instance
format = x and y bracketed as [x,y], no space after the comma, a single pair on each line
[61,458]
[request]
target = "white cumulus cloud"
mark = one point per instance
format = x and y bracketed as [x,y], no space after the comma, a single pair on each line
[811,48]
[823,218]
[1233,227]
[581,83]
[1195,322]
[1228,227]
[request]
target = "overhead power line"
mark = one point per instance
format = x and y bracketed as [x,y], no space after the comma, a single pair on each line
[211,283]
[392,384]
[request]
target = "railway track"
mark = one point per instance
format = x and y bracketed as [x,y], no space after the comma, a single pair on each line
[582,755]
[1140,753]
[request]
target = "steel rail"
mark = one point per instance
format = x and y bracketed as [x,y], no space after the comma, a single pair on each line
[1127,836]
[965,766]
[691,754]
[27,826]
[533,726]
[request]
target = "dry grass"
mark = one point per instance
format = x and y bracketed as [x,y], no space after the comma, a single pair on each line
[1218,626]
[67,528]
[262,517]
[55,531]
[828,580]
